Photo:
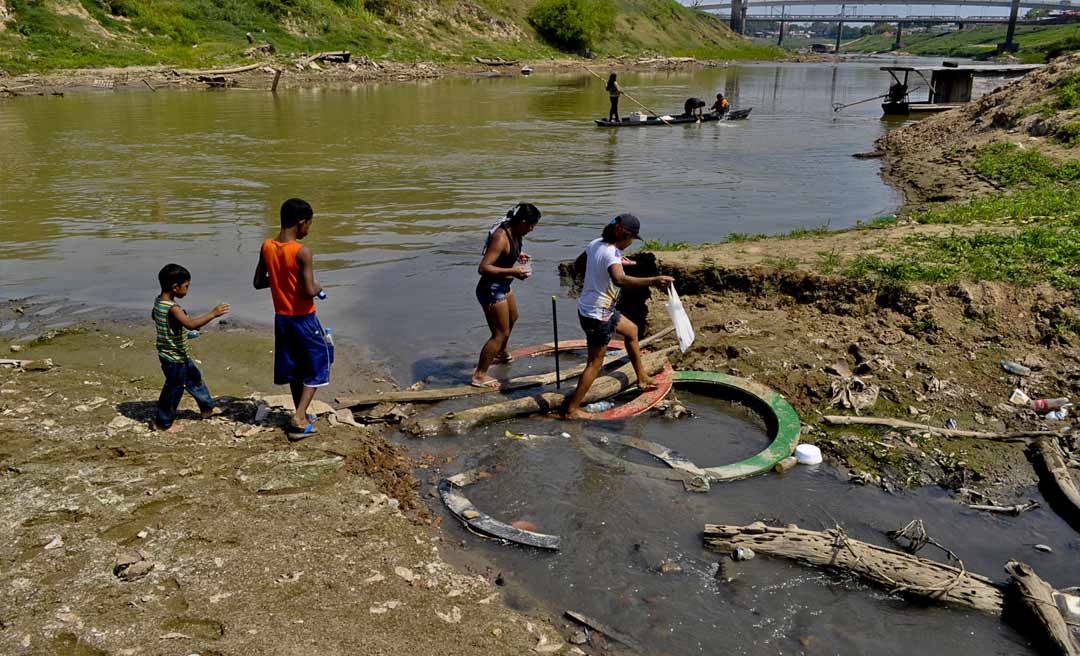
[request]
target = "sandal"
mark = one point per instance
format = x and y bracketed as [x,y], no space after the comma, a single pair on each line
[487,384]
[295,433]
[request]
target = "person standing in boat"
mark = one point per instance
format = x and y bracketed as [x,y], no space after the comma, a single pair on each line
[614,91]
[503,261]
[720,107]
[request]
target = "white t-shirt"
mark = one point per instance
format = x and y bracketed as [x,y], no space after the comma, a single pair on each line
[599,293]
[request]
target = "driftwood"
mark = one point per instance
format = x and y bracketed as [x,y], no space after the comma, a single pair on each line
[1031,604]
[589,622]
[459,391]
[495,62]
[1010,510]
[1055,474]
[336,56]
[895,570]
[844,420]
[602,388]
[277,78]
[213,73]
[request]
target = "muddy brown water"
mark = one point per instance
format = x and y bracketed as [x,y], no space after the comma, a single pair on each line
[97,190]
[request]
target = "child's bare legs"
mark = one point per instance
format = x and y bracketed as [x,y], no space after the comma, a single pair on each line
[592,370]
[500,320]
[302,396]
[628,329]
[503,355]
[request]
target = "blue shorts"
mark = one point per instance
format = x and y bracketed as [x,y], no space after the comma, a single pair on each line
[490,292]
[598,333]
[301,354]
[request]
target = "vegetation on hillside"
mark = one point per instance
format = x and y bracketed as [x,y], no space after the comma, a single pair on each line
[1037,43]
[54,34]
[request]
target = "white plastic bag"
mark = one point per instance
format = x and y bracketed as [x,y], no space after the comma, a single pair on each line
[678,316]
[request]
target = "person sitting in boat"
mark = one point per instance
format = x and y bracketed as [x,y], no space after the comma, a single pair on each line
[897,92]
[720,107]
[614,91]
[693,107]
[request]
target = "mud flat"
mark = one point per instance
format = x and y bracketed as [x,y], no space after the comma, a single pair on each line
[921,308]
[223,538]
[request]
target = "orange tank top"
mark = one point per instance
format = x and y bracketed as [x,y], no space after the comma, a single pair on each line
[285,284]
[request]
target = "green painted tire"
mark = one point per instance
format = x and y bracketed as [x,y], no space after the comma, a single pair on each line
[782,421]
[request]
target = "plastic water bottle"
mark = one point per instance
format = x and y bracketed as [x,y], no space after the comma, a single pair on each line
[526,265]
[1058,415]
[1042,405]
[599,406]
[328,337]
[321,296]
[192,334]
[1015,368]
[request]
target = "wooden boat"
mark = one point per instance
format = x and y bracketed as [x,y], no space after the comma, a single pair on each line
[735,115]
[948,86]
[495,62]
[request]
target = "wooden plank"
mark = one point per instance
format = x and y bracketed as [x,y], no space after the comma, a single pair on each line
[892,569]
[221,71]
[460,391]
[1055,474]
[844,420]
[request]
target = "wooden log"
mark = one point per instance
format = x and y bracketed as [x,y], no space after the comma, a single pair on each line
[844,420]
[213,73]
[895,570]
[1056,477]
[1031,609]
[277,78]
[602,388]
[589,622]
[1010,510]
[459,391]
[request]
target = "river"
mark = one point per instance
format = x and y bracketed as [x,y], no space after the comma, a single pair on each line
[98,190]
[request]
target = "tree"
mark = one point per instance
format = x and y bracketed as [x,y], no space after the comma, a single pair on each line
[882,28]
[573,24]
[1037,12]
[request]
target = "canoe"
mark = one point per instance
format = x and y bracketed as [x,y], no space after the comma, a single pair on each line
[736,115]
[495,62]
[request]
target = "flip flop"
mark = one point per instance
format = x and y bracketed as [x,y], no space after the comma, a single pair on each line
[296,433]
[487,384]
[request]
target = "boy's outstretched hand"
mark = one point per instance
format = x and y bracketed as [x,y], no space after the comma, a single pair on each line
[663,281]
[221,309]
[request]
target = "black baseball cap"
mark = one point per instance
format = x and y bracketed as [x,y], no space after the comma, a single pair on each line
[630,222]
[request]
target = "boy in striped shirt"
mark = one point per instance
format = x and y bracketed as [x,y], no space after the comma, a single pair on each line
[172,324]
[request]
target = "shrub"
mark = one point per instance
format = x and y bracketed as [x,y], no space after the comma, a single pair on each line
[573,24]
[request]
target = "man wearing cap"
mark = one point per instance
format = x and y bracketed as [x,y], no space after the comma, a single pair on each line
[602,262]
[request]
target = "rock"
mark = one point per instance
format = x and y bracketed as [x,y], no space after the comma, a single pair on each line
[120,422]
[743,553]
[451,617]
[55,543]
[37,365]
[15,348]
[317,407]
[579,638]
[525,526]
[135,571]
[668,567]
[345,416]
[405,573]
[574,651]
[470,514]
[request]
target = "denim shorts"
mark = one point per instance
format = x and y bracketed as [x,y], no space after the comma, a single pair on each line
[301,354]
[490,292]
[597,332]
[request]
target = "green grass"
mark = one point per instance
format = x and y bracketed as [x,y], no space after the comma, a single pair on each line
[1037,43]
[1010,165]
[197,33]
[655,245]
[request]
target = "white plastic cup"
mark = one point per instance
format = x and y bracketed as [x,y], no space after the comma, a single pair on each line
[808,454]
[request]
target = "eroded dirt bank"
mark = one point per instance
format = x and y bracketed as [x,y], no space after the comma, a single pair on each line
[222,539]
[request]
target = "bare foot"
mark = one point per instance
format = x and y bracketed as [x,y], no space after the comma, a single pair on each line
[645,384]
[484,381]
[175,428]
[576,414]
[212,412]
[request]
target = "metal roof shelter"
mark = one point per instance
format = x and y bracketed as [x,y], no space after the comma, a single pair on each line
[948,86]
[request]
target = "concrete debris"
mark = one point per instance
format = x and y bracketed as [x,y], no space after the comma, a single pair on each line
[132,565]
[405,573]
[15,348]
[579,638]
[743,553]
[120,422]
[55,543]
[384,607]
[451,617]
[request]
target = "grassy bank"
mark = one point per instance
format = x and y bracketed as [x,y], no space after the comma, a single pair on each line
[58,34]
[1037,43]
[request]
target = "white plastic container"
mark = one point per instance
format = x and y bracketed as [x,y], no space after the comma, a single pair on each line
[808,454]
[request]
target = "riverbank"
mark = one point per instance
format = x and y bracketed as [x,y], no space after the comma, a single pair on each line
[359,70]
[979,267]
[1038,43]
[224,538]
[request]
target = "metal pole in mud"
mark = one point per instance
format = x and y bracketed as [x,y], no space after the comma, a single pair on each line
[555,329]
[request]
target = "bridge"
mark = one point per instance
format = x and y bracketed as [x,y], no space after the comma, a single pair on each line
[739,16]
[1027,4]
[889,18]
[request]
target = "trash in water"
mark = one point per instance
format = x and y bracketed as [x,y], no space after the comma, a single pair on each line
[1058,415]
[1019,397]
[743,553]
[808,454]
[599,406]
[786,464]
[1044,548]
[1015,368]
[950,423]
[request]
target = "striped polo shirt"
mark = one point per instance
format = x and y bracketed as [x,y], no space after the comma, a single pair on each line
[172,343]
